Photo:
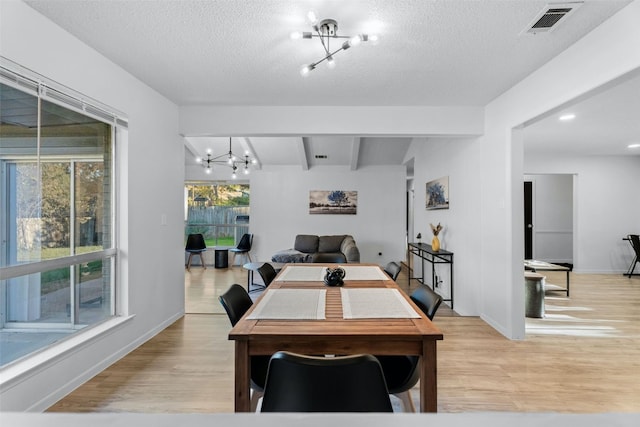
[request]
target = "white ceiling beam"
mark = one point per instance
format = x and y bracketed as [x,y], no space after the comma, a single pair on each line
[355,152]
[302,153]
[191,148]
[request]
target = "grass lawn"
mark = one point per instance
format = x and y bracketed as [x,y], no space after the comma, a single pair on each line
[222,241]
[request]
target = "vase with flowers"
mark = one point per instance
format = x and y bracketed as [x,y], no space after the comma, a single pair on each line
[435,242]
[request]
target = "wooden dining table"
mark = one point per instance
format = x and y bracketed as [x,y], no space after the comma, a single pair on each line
[336,334]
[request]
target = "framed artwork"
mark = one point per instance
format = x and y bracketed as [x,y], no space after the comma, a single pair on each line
[333,202]
[438,194]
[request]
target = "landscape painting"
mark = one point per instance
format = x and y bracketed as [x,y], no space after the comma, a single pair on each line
[333,202]
[438,193]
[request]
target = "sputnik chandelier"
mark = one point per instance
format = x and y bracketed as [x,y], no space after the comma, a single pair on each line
[325,30]
[227,159]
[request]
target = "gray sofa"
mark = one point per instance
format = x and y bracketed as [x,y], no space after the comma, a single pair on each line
[310,248]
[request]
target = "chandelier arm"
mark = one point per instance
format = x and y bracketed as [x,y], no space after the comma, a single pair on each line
[333,37]
[326,49]
[215,159]
[329,55]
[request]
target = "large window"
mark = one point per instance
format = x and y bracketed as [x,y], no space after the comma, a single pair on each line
[58,252]
[219,211]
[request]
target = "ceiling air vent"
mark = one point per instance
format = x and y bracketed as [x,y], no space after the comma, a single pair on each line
[321,156]
[549,18]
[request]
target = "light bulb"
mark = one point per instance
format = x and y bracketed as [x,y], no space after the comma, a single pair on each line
[373,37]
[208,170]
[233,175]
[296,35]
[355,40]
[305,70]
[246,171]
[198,160]
[331,63]
[312,17]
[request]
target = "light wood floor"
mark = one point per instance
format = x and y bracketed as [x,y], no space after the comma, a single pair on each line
[583,357]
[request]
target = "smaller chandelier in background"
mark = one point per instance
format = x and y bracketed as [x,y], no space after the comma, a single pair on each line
[228,159]
[326,30]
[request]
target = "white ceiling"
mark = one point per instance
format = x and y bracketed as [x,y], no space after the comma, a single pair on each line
[605,123]
[224,52]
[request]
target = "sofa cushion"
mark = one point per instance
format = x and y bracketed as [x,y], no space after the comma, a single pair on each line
[330,257]
[330,243]
[306,243]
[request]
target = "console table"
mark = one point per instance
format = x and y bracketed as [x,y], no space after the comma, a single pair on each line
[426,253]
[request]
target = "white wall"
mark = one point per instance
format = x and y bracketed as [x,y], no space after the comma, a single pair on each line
[552,216]
[280,209]
[607,53]
[457,159]
[607,207]
[150,181]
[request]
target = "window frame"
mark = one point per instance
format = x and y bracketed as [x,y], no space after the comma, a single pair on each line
[26,81]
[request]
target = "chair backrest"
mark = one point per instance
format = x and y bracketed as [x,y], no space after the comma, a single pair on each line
[635,242]
[268,273]
[236,301]
[392,269]
[245,242]
[297,383]
[195,242]
[331,257]
[427,300]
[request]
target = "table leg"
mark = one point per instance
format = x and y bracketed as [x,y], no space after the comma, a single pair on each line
[249,280]
[428,377]
[242,377]
[567,283]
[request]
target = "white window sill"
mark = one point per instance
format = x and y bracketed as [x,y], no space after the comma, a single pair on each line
[15,372]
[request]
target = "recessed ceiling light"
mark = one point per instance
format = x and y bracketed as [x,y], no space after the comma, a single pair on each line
[566,117]
[633,146]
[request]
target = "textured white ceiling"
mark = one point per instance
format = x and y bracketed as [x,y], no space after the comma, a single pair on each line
[226,52]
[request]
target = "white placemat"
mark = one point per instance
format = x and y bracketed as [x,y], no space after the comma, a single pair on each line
[302,274]
[307,304]
[364,272]
[367,303]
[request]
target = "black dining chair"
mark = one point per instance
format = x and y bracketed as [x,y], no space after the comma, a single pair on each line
[267,273]
[243,248]
[236,301]
[195,246]
[392,269]
[635,242]
[403,372]
[427,300]
[297,383]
